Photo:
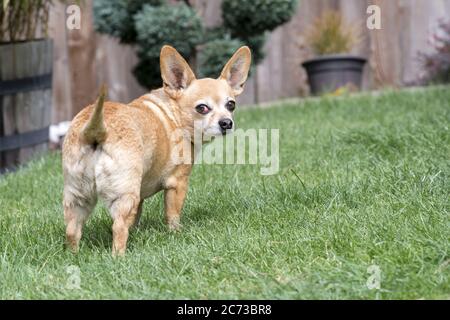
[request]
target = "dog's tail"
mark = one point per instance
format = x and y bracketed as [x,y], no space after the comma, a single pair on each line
[95,132]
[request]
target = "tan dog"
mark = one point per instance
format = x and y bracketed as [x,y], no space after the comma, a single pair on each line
[122,152]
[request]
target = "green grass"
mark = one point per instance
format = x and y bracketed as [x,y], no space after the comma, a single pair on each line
[363,181]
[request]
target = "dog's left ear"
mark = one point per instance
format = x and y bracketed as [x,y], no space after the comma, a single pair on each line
[175,72]
[236,70]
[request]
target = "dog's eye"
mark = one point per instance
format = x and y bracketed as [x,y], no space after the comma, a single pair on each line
[202,108]
[231,105]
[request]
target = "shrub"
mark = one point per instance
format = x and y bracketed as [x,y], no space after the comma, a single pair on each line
[115,17]
[147,72]
[176,25]
[214,54]
[250,18]
[437,64]
[152,23]
[256,44]
[220,46]
[249,21]
[330,34]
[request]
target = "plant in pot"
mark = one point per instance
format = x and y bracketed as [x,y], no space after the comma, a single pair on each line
[331,39]
[25,80]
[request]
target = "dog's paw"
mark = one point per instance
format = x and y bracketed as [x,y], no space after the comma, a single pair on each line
[174,225]
[72,247]
[73,250]
[117,253]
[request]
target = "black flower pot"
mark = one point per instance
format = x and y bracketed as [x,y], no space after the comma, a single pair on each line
[331,72]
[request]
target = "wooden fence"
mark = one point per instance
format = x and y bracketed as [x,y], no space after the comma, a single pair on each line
[83,59]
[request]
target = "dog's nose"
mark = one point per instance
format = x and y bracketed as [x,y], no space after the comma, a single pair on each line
[226,123]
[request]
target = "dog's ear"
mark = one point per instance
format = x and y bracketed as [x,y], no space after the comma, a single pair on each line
[236,70]
[175,72]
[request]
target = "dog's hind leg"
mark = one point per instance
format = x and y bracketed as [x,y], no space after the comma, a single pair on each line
[118,183]
[79,199]
[75,216]
[124,211]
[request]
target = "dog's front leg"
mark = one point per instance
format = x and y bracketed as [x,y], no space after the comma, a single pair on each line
[173,203]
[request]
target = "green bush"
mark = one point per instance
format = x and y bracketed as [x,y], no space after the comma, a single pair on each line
[214,54]
[115,17]
[153,23]
[256,44]
[175,25]
[250,18]
[248,22]
[147,72]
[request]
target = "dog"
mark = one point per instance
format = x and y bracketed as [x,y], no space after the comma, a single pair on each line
[122,153]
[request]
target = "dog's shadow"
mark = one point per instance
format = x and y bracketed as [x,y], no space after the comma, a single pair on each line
[97,233]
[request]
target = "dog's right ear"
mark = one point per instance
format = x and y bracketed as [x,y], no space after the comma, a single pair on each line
[236,70]
[175,72]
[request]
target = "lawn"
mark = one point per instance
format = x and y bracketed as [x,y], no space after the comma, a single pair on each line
[363,192]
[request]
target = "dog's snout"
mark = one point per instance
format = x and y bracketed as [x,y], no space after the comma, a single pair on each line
[226,123]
